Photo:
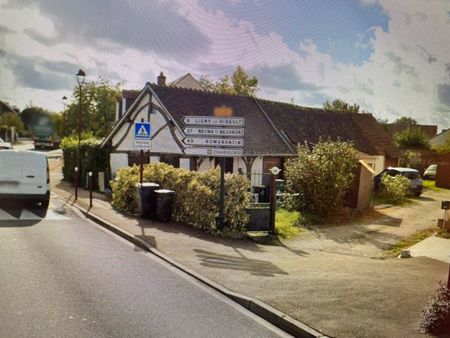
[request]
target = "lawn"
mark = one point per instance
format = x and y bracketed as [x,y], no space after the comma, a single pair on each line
[431,185]
[287,223]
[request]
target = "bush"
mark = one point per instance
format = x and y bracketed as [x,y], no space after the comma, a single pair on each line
[196,200]
[394,189]
[322,176]
[436,315]
[412,138]
[92,158]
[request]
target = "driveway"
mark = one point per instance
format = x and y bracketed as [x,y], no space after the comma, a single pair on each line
[370,235]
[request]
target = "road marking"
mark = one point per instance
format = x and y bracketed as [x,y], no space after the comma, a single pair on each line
[4,216]
[29,215]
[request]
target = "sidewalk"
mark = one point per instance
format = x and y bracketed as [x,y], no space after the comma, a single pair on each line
[336,294]
[432,247]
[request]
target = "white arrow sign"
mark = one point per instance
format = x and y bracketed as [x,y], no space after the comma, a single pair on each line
[214,121]
[236,132]
[214,142]
[215,152]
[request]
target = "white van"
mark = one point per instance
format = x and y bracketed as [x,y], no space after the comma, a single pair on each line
[24,175]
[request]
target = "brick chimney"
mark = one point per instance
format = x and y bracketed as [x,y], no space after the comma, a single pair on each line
[161,79]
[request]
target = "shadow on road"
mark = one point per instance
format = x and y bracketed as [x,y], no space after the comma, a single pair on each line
[254,266]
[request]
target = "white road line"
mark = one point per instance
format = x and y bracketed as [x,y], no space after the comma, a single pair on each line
[28,215]
[4,216]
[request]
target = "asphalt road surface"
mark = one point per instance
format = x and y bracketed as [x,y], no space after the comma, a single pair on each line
[62,276]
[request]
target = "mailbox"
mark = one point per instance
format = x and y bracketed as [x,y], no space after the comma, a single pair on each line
[445,205]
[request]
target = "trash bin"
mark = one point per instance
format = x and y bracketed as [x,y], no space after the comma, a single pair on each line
[164,202]
[146,199]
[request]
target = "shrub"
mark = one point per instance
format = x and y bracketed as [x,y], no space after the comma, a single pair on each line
[412,138]
[436,315]
[196,200]
[322,176]
[92,158]
[394,188]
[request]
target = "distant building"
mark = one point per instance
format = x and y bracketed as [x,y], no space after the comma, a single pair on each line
[6,108]
[441,138]
[271,134]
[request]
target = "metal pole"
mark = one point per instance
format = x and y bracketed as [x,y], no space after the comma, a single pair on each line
[79,126]
[222,194]
[90,189]
[76,183]
[448,280]
[273,204]
[141,167]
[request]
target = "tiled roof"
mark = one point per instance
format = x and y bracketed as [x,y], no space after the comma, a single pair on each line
[260,138]
[301,124]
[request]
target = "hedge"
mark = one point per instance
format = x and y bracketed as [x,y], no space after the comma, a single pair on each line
[92,158]
[196,196]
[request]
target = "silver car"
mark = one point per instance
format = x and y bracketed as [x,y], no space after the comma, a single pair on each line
[4,145]
[430,172]
[413,175]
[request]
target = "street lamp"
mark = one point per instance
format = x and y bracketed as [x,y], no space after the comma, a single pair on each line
[64,101]
[80,80]
[273,198]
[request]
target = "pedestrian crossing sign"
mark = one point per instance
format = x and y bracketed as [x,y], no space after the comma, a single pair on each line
[142,131]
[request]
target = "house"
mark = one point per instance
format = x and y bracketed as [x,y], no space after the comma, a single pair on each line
[271,133]
[442,138]
[6,108]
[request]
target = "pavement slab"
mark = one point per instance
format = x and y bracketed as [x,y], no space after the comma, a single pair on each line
[432,247]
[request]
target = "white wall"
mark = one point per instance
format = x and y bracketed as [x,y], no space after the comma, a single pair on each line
[375,162]
[117,161]
[185,163]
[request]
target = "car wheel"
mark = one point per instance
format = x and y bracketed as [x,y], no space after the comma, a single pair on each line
[418,193]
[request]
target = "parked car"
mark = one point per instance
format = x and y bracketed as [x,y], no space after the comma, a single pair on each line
[24,175]
[4,145]
[430,172]
[413,175]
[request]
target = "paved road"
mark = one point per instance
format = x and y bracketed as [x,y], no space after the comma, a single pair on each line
[61,276]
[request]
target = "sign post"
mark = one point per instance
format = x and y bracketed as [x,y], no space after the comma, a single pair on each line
[142,132]
[221,136]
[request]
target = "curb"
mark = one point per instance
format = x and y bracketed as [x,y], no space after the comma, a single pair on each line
[261,309]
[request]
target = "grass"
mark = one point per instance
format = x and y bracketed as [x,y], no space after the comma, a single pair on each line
[443,233]
[405,243]
[287,223]
[431,185]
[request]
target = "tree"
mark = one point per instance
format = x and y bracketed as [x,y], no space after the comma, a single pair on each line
[239,83]
[405,123]
[97,108]
[38,120]
[412,138]
[322,176]
[9,120]
[341,105]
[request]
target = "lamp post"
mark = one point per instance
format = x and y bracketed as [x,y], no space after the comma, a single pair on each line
[80,80]
[64,101]
[273,198]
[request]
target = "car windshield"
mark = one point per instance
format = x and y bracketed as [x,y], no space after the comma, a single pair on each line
[411,175]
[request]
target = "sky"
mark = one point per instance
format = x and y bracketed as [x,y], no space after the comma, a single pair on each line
[392,57]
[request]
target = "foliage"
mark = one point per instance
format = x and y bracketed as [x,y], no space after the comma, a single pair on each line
[410,159]
[436,315]
[92,158]
[98,106]
[239,83]
[431,185]
[443,233]
[341,105]
[412,138]
[196,196]
[322,175]
[393,189]
[405,122]
[9,120]
[287,223]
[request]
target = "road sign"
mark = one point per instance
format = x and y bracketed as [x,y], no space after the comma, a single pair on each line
[214,141]
[142,133]
[214,121]
[214,152]
[233,132]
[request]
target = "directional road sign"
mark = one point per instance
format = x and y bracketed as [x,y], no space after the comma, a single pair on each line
[200,131]
[142,133]
[214,152]
[214,121]
[214,141]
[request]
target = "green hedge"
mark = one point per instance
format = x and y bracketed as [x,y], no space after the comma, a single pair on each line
[92,158]
[196,196]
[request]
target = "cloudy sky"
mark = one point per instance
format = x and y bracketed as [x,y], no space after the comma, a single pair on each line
[390,56]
